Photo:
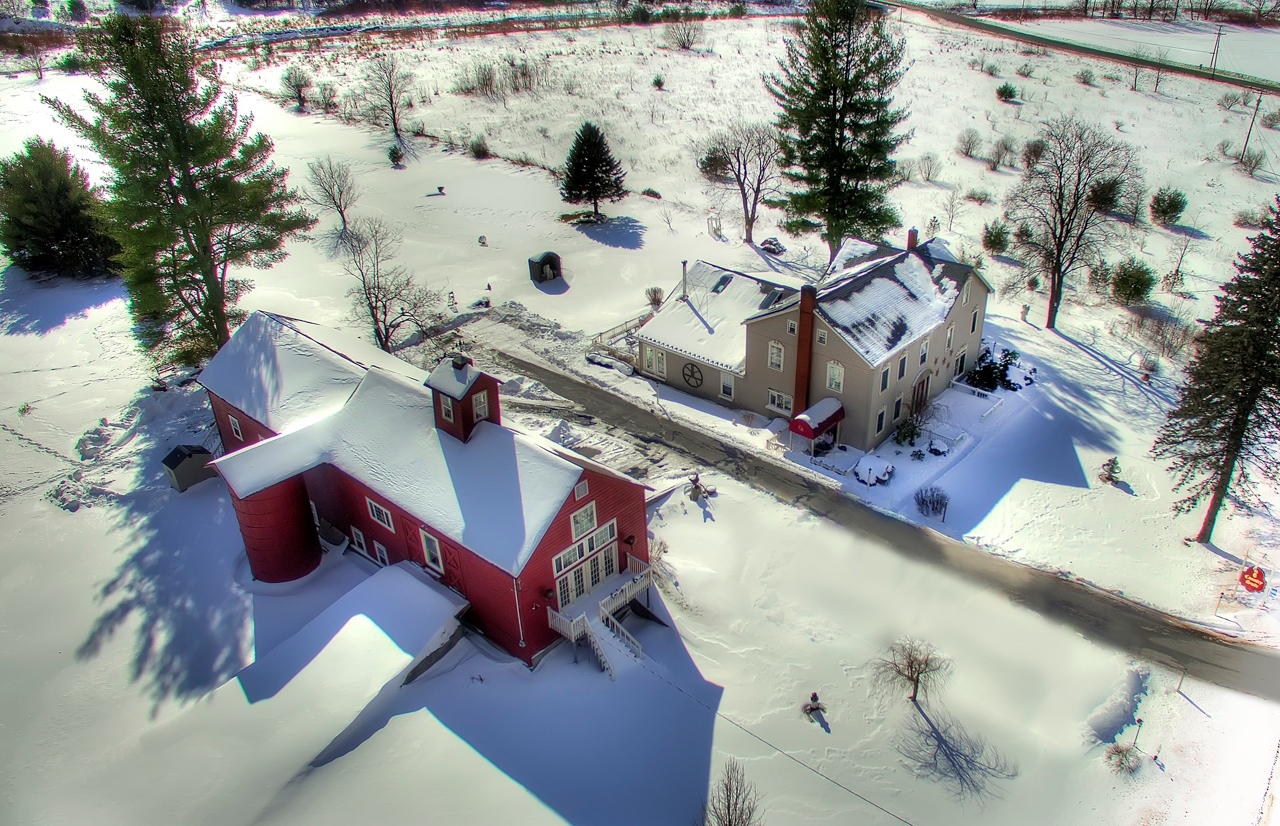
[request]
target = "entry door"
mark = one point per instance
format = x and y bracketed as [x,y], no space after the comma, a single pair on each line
[920,394]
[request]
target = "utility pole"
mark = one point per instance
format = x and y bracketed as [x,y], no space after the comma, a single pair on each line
[1249,134]
[1213,61]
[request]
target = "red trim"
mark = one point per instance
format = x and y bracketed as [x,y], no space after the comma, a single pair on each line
[800,427]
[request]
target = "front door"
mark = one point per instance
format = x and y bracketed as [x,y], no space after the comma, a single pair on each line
[920,394]
[593,570]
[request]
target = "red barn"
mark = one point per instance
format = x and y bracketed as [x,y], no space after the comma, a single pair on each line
[334,444]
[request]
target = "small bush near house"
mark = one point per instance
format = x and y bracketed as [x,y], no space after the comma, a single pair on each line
[917,455]
[1132,281]
[995,237]
[990,373]
[1086,76]
[1026,70]
[649,192]
[659,82]
[1122,758]
[968,142]
[478,148]
[932,501]
[1167,206]
[907,432]
[395,154]
[1006,91]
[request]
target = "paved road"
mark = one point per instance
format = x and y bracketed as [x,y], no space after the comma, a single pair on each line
[1100,616]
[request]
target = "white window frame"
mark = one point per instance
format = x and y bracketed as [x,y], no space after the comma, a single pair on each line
[480,405]
[235,427]
[376,512]
[380,554]
[964,294]
[973,325]
[880,417]
[776,396]
[655,361]
[446,408]
[884,379]
[835,377]
[902,367]
[588,509]
[726,381]
[776,347]
[951,331]
[315,514]
[791,326]
[601,537]
[580,490]
[924,351]
[357,539]
[960,360]
[897,408]
[822,337]
[431,548]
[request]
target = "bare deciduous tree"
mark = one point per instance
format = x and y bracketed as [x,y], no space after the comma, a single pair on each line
[913,663]
[928,166]
[333,186]
[1162,57]
[734,801]
[749,152]
[12,8]
[968,142]
[1003,151]
[327,97]
[296,82]
[1058,226]
[683,34]
[37,60]
[1263,9]
[385,297]
[387,90]
[953,207]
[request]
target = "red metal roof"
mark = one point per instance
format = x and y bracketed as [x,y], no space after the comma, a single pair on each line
[818,419]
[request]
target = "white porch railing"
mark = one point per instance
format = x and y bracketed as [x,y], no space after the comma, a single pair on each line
[982,394]
[578,627]
[621,633]
[635,566]
[598,649]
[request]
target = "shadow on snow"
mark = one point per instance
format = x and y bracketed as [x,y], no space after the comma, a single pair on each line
[622,232]
[31,307]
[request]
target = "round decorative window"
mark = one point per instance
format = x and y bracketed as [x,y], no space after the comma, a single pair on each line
[692,375]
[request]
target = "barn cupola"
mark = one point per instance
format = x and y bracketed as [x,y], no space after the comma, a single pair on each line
[463,396]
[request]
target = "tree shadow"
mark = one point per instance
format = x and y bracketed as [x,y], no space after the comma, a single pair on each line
[938,748]
[622,232]
[30,306]
[175,585]
[1191,232]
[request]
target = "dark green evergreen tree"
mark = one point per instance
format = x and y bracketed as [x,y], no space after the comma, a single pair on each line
[837,122]
[1224,428]
[193,195]
[590,172]
[47,218]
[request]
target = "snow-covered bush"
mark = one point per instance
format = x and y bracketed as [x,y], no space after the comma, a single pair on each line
[395,154]
[968,142]
[995,237]
[1167,205]
[1132,281]
[907,432]
[1122,758]
[990,373]
[978,196]
[932,501]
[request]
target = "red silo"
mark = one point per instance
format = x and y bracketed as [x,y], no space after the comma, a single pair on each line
[279,537]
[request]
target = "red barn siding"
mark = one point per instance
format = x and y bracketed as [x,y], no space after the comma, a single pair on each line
[464,419]
[252,430]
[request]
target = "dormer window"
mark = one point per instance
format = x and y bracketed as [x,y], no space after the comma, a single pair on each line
[446,408]
[480,406]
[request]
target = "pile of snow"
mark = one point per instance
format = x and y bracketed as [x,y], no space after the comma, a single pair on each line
[1121,709]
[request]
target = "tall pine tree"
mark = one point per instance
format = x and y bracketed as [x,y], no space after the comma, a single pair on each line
[590,172]
[837,122]
[1225,427]
[192,194]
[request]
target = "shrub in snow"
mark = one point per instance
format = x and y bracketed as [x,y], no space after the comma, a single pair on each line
[910,663]
[991,68]
[1132,281]
[1167,205]
[1229,100]
[1110,473]
[1122,758]
[995,237]
[73,62]
[1003,152]
[933,227]
[654,296]
[906,169]
[990,373]
[968,141]
[1032,151]
[978,196]
[1100,277]
[659,82]
[1271,120]
[1226,148]
[736,11]
[1249,218]
[1104,195]
[714,165]
[1252,159]
[917,455]
[1026,70]
[928,167]
[932,501]
[650,192]
[478,148]
[327,97]
[1086,76]
[1006,91]
[395,154]
[295,83]
[683,34]
[907,432]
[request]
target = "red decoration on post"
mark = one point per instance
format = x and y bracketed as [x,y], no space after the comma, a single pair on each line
[1253,579]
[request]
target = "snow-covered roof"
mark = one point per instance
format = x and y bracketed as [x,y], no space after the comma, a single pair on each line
[284,372]
[454,377]
[707,323]
[496,494]
[878,298]
[820,412]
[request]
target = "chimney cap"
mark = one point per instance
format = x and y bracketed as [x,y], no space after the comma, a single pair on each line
[460,360]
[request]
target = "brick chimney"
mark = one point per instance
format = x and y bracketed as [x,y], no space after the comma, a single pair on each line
[913,238]
[804,348]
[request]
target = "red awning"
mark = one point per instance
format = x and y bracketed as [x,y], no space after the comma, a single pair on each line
[818,419]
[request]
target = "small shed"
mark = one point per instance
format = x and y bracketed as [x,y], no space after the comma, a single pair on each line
[545,267]
[187,465]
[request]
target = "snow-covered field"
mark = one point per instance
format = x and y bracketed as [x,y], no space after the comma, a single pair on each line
[119,616]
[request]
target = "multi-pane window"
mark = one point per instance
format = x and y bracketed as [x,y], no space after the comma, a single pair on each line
[581,489]
[586,546]
[380,515]
[884,379]
[726,385]
[791,327]
[835,377]
[480,405]
[655,361]
[950,334]
[880,421]
[924,351]
[431,552]
[446,407]
[775,355]
[897,408]
[380,553]
[779,401]
[584,521]
[235,427]
[902,366]
[822,336]
[960,359]
[973,324]
[357,539]
[964,294]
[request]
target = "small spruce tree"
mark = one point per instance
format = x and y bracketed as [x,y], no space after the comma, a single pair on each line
[591,174]
[1223,431]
